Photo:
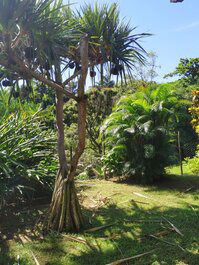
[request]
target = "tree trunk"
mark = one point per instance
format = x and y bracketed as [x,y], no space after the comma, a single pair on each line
[65,212]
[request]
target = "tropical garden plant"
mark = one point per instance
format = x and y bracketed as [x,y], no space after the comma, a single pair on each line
[139,134]
[39,40]
[27,156]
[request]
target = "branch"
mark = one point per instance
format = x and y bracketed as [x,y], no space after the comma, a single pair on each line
[41,78]
[81,107]
[71,78]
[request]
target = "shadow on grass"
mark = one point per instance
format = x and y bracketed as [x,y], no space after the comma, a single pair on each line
[185,183]
[5,258]
[17,223]
[131,233]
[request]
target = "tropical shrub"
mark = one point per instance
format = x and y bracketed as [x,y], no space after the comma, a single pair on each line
[194,110]
[99,105]
[193,164]
[138,134]
[26,157]
[187,69]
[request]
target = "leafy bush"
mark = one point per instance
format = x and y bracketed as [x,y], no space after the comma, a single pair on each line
[26,156]
[193,164]
[137,135]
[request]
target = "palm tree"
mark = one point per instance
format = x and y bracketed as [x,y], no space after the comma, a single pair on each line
[40,39]
[113,46]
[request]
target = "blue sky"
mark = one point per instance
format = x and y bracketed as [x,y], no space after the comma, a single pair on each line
[175,28]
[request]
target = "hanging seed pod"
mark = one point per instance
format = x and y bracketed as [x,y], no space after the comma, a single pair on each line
[30,53]
[92,73]
[47,66]
[6,83]
[120,67]
[114,71]
[71,65]
[66,99]
[78,67]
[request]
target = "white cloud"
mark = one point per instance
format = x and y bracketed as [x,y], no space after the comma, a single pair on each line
[186,27]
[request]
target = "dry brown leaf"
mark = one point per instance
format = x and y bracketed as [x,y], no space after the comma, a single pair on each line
[34,257]
[173,226]
[25,239]
[120,261]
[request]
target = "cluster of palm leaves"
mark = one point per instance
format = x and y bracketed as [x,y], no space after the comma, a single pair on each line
[43,32]
[26,156]
[137,141]
[111,41]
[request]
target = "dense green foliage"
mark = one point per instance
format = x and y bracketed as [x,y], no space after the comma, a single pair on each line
[187,69]
[26,156]
[140,133]
[193,164]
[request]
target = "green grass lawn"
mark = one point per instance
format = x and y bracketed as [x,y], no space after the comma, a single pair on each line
[162,218]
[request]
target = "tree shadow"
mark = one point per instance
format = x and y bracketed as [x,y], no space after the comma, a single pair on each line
[20,224]
[5,257]
[131,231]
[184,183]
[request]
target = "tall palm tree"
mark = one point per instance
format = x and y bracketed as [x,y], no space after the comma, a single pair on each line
[40,39]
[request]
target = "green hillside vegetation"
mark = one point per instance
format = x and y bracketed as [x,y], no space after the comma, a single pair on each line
[105,173]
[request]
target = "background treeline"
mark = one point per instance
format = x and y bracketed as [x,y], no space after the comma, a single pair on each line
[132,132]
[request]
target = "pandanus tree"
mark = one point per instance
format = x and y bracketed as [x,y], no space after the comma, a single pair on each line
[40,40]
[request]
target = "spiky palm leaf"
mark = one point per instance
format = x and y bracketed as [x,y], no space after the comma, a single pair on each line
[112,41]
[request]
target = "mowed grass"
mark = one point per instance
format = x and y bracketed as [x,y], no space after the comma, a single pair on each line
[162,218]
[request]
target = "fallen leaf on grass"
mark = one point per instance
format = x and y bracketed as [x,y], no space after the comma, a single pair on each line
[139,202]
[173,226]
[120,261]
[167,242]
[34,257]
[94,229]
[82,240]
[77,239]
[158,234]
[25,239]
[141,195]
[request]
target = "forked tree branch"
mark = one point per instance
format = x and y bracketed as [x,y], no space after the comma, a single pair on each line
[22,68]
[81,107]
